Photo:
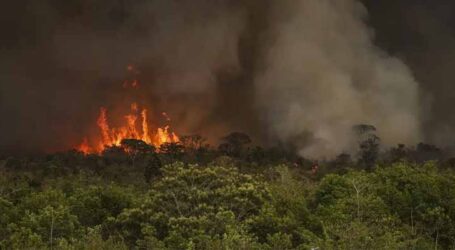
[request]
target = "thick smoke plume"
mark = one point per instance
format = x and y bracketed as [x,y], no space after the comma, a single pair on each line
[422,34]
[299,72]
[323,75]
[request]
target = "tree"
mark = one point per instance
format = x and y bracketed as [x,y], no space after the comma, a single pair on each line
[172,151]
[286,219]
[152,168]
[196,148]
[7,216]
[193,142]
[369,144]
[135,148]
[397,154]
[234,144]
[190,203]
[422,197]
[95,203]
[341,163]
[115,154]
[46,219]
[427,152]
[353,214]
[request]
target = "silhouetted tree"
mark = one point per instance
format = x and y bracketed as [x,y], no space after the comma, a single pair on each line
[234,144]
[369,144]
[193,142]
[153,167]
[427,152]
[173,151]
[196,148]
[135,148]
[257,155]
[397,154]
[363,129]
[343,160]
[115,154]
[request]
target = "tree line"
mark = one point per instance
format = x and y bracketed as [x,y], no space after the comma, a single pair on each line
[190,195]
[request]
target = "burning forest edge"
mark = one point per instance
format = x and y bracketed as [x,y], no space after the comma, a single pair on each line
[227,125]
[134,126]
[270,197]
[115,136]
[140,185]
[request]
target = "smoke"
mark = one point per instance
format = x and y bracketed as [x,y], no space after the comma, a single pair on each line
[324,75]
[422,35]
[66,59]
[299,72]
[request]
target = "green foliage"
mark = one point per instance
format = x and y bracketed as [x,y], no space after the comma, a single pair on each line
[191,203]
[106,203]
[402,206]
[92,240]
[286,217]
[94,204]
[421,197]
[7,214]
[45,219]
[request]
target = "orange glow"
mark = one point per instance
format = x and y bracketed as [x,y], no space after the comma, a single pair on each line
[135,126]
[166,116]
[132,129]
[145,127]
[133,84]
[84,147]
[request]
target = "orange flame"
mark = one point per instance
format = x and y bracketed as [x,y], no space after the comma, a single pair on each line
[132,129]
[114,136]
[145,128]
[84,147]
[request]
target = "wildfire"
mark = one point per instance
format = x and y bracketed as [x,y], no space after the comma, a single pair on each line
[136,126]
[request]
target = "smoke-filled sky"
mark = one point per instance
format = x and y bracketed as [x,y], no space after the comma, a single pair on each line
[284,71]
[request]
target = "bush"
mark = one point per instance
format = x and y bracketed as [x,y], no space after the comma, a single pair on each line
[189,203]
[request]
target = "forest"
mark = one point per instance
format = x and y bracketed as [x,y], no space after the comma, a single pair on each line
[191,195]
[227,124]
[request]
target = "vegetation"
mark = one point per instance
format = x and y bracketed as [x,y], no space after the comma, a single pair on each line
[238,196]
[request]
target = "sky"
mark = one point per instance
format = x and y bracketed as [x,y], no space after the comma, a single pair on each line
[285,72]
[421,33]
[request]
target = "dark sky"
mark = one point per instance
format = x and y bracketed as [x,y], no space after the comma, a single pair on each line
[43,100]
[421,33]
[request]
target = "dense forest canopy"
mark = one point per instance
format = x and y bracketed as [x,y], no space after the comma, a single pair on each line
[191,195]
[119,118]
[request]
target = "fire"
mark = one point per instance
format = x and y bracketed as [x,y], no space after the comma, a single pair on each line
[84,147]
[136,126]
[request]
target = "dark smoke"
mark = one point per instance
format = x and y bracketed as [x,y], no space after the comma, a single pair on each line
[324,75]
[422,34]
[204,62]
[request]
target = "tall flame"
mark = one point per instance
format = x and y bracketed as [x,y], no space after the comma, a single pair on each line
[136,126]
[114,136]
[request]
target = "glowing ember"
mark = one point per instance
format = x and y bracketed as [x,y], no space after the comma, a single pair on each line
[131,84]
[84,147]
[131,130]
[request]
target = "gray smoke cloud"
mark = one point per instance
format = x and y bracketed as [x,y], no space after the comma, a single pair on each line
[422,35]
[299,72]
[66,60]
[324,75]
